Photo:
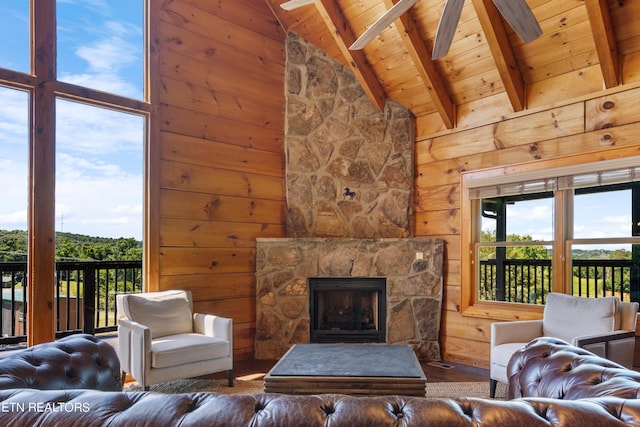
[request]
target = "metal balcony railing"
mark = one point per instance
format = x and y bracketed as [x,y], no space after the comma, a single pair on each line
[84,296]
[528,281]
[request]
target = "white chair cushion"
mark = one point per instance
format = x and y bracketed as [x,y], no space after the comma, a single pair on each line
[165,313]
[501,354]
[567,317]
[186,348]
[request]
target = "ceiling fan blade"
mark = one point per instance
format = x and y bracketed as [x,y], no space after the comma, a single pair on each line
[518,14]
[447,28]
[383,22]
[294,4]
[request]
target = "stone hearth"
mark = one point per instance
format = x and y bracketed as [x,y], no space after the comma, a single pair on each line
[412,267]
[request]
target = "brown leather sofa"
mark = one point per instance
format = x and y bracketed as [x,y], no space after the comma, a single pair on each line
[69,406]
[552,368]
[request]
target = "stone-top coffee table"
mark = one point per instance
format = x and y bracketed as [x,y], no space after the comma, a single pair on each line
[355,369]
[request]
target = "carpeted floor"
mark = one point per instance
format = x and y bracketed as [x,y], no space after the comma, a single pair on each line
[434,389]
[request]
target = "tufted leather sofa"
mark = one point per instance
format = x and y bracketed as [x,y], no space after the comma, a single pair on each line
[67,407]
[551,367]
[73,362]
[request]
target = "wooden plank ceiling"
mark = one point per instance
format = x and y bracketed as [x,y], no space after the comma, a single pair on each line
[487,64]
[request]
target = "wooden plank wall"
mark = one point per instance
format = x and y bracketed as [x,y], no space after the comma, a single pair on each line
[219,150]
[585,129]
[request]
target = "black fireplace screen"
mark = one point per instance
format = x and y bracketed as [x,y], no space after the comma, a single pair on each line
[347,309]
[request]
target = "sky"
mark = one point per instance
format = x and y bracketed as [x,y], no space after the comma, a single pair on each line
[596,216]
[99,152]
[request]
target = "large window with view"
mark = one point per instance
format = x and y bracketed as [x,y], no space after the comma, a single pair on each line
[73,130]
[574,230]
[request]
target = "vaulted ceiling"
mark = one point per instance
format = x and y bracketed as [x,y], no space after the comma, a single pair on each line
[586,46]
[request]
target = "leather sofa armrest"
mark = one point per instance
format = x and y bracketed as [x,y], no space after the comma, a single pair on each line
[79,361]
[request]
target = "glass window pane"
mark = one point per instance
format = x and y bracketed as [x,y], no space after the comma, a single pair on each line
[99,164]
[101,45]
[14,173]
[518,274]
[603,214]
[511,219]
[600,270]
[15,33]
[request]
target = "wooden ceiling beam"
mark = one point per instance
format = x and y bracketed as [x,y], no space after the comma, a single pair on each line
[498,41]
[344,37]
[605,41]
[421,56]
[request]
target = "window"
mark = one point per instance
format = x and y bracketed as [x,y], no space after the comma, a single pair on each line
[14,174]
[574,229]
[515,248]
[82,112]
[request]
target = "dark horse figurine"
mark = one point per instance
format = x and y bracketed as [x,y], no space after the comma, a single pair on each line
[348,193]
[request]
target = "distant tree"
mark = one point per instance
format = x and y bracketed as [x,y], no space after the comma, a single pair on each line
[69,246]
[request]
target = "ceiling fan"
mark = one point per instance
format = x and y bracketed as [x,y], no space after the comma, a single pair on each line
[516,12]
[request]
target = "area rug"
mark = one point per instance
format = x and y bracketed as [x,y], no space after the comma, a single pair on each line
[433,389]
[191,385]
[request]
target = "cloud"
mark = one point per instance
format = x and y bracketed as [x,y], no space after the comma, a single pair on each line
[101,46]
[82,129]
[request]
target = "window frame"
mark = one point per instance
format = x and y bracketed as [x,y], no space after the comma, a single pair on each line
[470,304]
[43,87]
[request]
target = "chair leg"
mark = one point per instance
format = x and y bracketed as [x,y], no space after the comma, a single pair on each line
[230,377]
[123,378]
[492,388]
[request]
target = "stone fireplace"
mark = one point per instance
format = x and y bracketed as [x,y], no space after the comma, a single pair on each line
[349,192]
[412,268]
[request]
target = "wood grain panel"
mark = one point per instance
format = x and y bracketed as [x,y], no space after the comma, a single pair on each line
[186,177]
[612,110]
[198,151]
[212,207]
[253,32]
[242,310]
[212,234]
[191,123]
[467,352]
[261,20]
[187,261]
[220,141]
[213,286]
[224,105]
[438,197]
[437,222]
[451,300]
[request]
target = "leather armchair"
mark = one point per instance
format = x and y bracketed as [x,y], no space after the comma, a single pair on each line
[161,339]
[604,326]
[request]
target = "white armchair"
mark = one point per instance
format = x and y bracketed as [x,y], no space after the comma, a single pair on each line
[161,339]
[605,326]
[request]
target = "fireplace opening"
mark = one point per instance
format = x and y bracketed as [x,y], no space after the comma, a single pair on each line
[347,309]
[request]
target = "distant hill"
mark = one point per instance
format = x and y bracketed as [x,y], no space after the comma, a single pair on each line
[70,246]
